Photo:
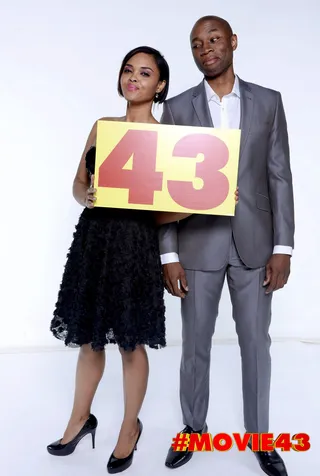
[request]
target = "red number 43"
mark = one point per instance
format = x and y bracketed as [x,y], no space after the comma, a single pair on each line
[143,180]
[284,442]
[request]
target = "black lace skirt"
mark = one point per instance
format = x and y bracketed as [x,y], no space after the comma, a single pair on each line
[112,287]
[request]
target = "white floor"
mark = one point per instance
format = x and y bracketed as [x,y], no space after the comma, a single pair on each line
[37,391]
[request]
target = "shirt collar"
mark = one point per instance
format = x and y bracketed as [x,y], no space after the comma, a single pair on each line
[212,95]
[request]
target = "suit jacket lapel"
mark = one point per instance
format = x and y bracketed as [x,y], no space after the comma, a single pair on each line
[201,107]
[247,103]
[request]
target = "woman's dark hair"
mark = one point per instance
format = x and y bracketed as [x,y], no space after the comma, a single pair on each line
[162,66]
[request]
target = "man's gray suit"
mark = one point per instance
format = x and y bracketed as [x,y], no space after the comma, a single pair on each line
[212,247]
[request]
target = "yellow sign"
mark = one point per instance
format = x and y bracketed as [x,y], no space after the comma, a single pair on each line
[166,168]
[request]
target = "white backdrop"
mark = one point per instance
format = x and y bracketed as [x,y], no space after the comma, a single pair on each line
[59,66]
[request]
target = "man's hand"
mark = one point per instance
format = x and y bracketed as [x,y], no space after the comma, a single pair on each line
[277,272]
[174,275]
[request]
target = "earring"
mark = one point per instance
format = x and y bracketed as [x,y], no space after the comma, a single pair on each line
[157,95]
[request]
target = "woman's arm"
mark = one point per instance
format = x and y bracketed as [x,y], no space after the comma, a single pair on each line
[169,217]
[81,181]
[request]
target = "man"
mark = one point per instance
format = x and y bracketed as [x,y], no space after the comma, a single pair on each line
[252,249]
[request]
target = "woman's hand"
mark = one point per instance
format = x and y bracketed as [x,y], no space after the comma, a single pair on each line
[89,197]
[236,195]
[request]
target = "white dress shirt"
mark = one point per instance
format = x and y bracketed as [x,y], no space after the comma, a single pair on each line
[225,114]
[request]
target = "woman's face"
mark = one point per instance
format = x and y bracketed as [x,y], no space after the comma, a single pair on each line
[140,79]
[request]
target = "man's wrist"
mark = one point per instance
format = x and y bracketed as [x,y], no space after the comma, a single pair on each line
[282,250]
[167,258]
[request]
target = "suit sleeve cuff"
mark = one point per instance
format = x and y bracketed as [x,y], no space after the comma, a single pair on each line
[282,250]
[169,258]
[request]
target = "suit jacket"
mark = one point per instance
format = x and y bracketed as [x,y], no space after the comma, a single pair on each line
[265,212]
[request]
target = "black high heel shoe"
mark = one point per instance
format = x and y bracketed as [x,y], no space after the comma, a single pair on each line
[116,465]
[58,449]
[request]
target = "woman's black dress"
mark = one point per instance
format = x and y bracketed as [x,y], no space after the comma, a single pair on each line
[112,287]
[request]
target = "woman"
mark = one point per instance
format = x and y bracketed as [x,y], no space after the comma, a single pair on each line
[112,288]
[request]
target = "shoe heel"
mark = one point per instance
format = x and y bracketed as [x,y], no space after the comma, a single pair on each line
[93,435]
[58,449]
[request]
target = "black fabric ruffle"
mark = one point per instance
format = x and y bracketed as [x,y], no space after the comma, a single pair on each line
[112,286]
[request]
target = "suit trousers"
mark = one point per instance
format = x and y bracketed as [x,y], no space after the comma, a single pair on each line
[251,311]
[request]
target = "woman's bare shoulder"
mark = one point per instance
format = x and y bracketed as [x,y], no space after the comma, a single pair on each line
[111,119]
[93,133]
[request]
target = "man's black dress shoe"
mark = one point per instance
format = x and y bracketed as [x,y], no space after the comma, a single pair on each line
[270,462]
[175,459]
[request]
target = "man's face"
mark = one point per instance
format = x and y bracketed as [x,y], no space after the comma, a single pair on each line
[212,45]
